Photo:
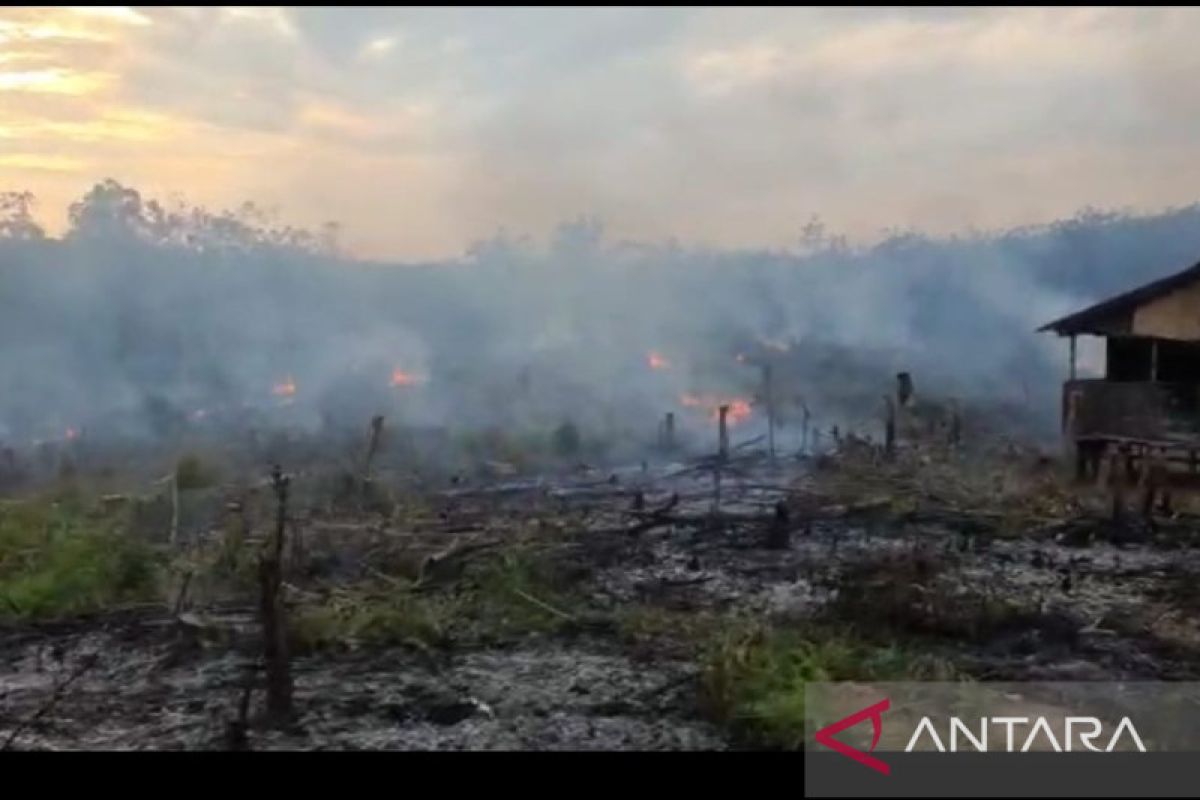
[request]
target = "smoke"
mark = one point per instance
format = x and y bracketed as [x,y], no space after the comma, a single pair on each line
[143,320]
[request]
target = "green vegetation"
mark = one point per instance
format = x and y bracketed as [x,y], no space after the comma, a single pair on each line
[505,595]
[57,559]
[753,676]
[381,616]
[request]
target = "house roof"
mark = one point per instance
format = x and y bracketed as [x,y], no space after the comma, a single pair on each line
[1098,318]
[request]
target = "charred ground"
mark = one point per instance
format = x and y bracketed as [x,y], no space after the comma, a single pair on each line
[677,603]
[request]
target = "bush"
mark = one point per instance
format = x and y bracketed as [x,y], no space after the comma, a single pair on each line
[55,561]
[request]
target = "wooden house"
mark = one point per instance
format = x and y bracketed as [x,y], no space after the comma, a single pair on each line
[1148,400]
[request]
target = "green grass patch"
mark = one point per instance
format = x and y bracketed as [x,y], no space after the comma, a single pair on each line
[58,559]
[753,676]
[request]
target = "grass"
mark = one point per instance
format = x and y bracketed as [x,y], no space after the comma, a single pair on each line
[58,558]
[753,676]
[925,594]
[516,593]
[506,595]
[379,617]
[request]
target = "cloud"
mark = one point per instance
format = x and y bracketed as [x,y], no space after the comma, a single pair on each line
[52,81]
[722,125]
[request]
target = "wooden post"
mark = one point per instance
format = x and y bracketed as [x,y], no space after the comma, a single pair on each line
[1153,359]
[804,432]
[955,424]
[274,625]
[669,431]
[175,506]
[770,400]
[1150,481]
[372,448]
[1072,356]
[723,432]
[889,428]
[779,533]
[1117,484]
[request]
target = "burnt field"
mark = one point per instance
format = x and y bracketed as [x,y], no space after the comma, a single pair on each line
[677,601]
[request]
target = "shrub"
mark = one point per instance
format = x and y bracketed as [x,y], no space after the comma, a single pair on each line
[55,561]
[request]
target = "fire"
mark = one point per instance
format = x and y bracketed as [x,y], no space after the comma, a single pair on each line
[72,434]
[402,378]
[286,388]
[656,361]
[739,408]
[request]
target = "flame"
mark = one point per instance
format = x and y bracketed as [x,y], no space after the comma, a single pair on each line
[739,408]
[402,378]
[656,361]
[72,434]
[286,388]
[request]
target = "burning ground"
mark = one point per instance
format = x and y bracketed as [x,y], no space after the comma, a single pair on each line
[676,603]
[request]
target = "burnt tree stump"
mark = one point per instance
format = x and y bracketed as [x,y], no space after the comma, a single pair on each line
[779,534]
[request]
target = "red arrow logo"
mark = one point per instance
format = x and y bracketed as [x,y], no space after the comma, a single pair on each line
[826,734]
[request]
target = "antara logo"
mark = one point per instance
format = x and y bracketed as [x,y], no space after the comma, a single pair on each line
[873,713]
[1088,729]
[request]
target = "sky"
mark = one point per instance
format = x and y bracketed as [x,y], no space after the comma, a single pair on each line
[423,130]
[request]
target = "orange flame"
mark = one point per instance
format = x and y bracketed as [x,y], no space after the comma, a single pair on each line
[402,378]
[286,388]
[656,361]
[739,408]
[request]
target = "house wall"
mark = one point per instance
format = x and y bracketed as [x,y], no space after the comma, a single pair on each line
[1172,316]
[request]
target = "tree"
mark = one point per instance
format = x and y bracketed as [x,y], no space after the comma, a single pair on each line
[109,210]
[16,218]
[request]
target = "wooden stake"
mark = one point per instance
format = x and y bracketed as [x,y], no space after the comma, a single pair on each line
[723,432]
[1117,481]
[274,624]
[770,401]
[372,448]
[804,431]
[889,432]
[174,506]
